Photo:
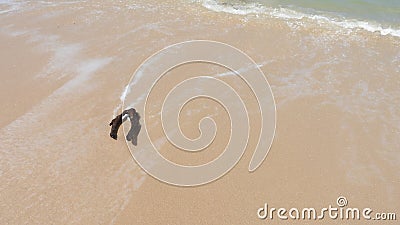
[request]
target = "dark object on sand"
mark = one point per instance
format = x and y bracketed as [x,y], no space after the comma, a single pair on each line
[133,133]
[134,117]
[115,124]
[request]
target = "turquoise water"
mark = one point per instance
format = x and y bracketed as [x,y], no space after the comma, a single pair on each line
[386,12]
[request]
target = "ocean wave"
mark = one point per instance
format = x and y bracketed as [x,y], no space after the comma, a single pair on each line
[289,14]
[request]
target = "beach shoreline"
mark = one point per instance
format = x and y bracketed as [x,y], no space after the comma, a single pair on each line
[65,67]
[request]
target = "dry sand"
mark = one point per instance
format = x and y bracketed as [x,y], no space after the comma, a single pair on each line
[64,66]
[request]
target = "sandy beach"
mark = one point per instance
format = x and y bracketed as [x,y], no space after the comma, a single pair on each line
[64,66]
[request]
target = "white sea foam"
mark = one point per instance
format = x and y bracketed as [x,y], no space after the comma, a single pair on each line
[11,6]
[85,71]
[289,14]
[127,90]
[240,9]
[242,70]
[125,93]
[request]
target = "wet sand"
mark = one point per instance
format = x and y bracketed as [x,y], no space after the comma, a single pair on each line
[65,65]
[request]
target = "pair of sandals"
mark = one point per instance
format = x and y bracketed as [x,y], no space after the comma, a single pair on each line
[133,133]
